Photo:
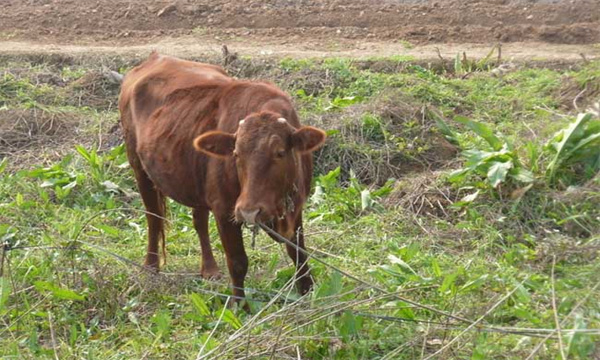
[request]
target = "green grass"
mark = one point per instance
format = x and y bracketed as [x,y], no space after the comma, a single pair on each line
[75,231]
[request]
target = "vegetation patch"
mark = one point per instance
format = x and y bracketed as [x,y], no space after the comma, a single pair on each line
[454,215]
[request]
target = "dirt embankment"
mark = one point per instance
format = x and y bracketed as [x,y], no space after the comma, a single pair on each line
[415,21]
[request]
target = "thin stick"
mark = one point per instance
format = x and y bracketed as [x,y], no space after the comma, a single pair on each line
[2,254]
[52,335]
[499,47]
[560,340]
[577,98]
[424,342]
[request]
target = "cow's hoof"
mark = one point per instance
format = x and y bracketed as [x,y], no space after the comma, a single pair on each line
[305,284]
[211,273]
[152,264]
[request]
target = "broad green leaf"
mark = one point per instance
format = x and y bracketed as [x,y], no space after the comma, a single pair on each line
[458,175]
[497,172]
[405,310]
[448,283]
[58,292]
[350,325]
[585,147]
[565,140]
[444,128]
[330,286]
[579,343]
[83,152]
[199,304]
[483,131]
[230,318]
[396,260]
[474,284]
[110,230]
[437,271]
[521,174]
[330,179]
[365,199]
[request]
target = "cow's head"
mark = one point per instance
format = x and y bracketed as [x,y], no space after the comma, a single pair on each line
[267,153]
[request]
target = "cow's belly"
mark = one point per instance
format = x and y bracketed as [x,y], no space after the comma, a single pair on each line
[173,175]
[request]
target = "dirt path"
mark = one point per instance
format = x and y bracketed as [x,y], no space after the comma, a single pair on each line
[190,47]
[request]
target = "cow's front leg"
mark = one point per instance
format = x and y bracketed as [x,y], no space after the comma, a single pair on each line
[303,278]
[237,260]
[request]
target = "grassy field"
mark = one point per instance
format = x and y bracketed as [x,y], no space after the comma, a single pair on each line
[469,228]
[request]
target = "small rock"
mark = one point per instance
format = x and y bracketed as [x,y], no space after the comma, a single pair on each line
[530,17]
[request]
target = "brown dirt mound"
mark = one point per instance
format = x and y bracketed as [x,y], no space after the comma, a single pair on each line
[575,96]
[386,138]
[478,21]
[93,89]
[21,129]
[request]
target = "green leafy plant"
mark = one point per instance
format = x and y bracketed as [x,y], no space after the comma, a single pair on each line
[331,202]
[576,147]
[497,163]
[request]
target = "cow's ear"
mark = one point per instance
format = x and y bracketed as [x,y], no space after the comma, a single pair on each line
[308,138]
[215,143]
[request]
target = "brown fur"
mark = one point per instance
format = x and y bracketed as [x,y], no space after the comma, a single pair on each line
[184,140]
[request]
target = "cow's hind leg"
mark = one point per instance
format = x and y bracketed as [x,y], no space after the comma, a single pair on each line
[209,269]
[155,205]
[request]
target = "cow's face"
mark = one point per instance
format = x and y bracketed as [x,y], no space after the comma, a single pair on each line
[267,151]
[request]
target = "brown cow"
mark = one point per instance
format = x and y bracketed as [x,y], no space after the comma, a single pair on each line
[214,143]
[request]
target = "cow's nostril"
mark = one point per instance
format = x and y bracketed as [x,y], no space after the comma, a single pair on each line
[250,215]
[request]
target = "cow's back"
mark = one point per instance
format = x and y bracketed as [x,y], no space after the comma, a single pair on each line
[147,86]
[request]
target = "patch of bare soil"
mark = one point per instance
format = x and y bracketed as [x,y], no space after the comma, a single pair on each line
[436,21]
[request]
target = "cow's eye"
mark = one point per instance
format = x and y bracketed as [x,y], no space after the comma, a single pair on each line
[280,153]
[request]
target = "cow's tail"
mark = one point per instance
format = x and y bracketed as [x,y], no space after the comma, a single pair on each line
[114,76]
[162,203]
